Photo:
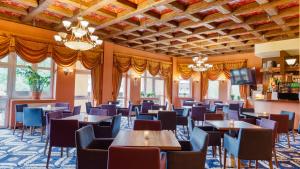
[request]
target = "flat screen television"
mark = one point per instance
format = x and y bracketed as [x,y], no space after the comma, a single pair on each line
[242,76]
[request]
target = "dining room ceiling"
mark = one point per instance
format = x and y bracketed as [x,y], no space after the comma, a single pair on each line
[181,28]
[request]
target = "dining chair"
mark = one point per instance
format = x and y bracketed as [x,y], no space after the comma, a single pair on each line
[113,102]
[98,111]
[49,117]
[233,115]
[92,153]
[63,104]
[147,125]
[158,107]
[135,158]
[282,125]
[146,106]
[168,120]
[192,154]
[270,124]
[247,110]
[213,116]
[76,111]
[197,113]
[126,112]
[19,115]
[62,134]
[88,106]
[142,116]
[291,121]
[234,106]
[33,117]
[251,144]
[109,131]
[111,109]
[182,118]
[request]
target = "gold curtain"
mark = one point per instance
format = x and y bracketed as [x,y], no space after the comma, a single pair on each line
[123,64]
[215,71]
[153,68]
[97,84]
[185,71]
[138,65]
[166,73]
[4,46]
[204,84]
[116,82]
[91,59]
[64,57]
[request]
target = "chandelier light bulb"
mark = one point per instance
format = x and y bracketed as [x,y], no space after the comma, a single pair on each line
[99,42]
[57,38]
[91,29]
[66,23]
[62,34]
[94,38]
[84,23]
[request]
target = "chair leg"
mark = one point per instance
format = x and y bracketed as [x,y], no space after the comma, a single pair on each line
[42,132]
[220,155]
[249,164]
[256,164]
[188,132]
[67,150]
[61,151]
[49,155]
[15,128]
[224,163]
[239,163]
[293,133]
[275,156]
[270,164]
[288,138]
[214,151]
[23,128]
[46,145]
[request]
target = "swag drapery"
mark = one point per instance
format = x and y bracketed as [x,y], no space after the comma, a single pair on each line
[36,51]
[122,64]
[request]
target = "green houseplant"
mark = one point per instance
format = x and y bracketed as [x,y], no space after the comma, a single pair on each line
[36,81]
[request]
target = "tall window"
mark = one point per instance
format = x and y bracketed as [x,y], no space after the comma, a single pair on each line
[44,68]
[83,85]
[4,72]
[122,92]
[234,91]
[152,87]
[213,89]
[184,88]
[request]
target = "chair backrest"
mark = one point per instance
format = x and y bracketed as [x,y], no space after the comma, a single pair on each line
[199,143]
[84,137]
[111,109]
[133,158]
[198,113]
[248,110]
[255,144]
[33,116]
[168,119]
[213,116]
[282,122]
[218,101]
[189,102]
[52,115]
[20,107]
[291,118]
[88,106]
[147,125]
[76,110]
[62,132]
[233,115]
[63,104]
[146,106]
[212,107]
[158,107]
[148,101]
[97,111]
[241,104]
[116,124]
[269,124]
[234,106]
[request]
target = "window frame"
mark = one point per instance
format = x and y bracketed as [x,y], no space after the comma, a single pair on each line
[190,88]
[146,75]
[217,90]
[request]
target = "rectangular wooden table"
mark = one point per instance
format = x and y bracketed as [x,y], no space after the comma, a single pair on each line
[88,119]
[257,115]
[165,140]
[225,125]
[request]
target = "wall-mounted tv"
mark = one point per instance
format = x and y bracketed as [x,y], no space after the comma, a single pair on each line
[242,76]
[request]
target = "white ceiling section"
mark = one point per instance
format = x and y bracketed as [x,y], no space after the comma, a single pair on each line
[272,49]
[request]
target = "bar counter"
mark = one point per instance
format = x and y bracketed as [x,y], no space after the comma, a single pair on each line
[275,106]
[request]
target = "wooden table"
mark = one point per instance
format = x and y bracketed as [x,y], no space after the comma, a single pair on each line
[47,108]
[165,140]
[88,119]
[225,125]
[257,115]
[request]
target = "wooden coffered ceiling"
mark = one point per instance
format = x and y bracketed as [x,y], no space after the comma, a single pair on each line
[173,27]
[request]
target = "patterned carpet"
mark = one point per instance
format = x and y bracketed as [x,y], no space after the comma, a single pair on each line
[28,154]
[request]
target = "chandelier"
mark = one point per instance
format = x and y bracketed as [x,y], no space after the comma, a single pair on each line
[199,64]
[81,37]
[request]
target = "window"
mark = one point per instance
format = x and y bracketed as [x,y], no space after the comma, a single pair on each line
[83,86]
[213,89]
[122,92]
[184,88]
[3,89]
[234,91]
[153,87]
[45,68]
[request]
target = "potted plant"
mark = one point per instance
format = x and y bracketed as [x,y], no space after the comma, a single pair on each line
[232,97]
[36,81]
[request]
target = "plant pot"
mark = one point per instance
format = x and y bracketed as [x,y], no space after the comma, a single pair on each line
[36,95]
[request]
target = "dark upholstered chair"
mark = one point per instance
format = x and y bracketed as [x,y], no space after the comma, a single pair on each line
[233,115]
[113,102]
[247,110]
[251,144]
[182,118]
[147,125]
[142,116]
[291,121]
[135,158]
[98,111]
[193,154]
[158,107]
[19,114]
[33,117]
[76,111]
[63,104]
[126,112]
[282,125]
[146,106]
[197,113]
[110,131]
[111,109]
[168,120]
[62,134]
[49,117]
[213,116]
[270,124]
[234,106]
[92,153]
[88,106]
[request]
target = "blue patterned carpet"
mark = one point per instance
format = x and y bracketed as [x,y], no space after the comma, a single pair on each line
[28,154]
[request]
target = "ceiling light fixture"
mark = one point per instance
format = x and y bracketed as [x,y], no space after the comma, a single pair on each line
[199,64]
[291,61]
